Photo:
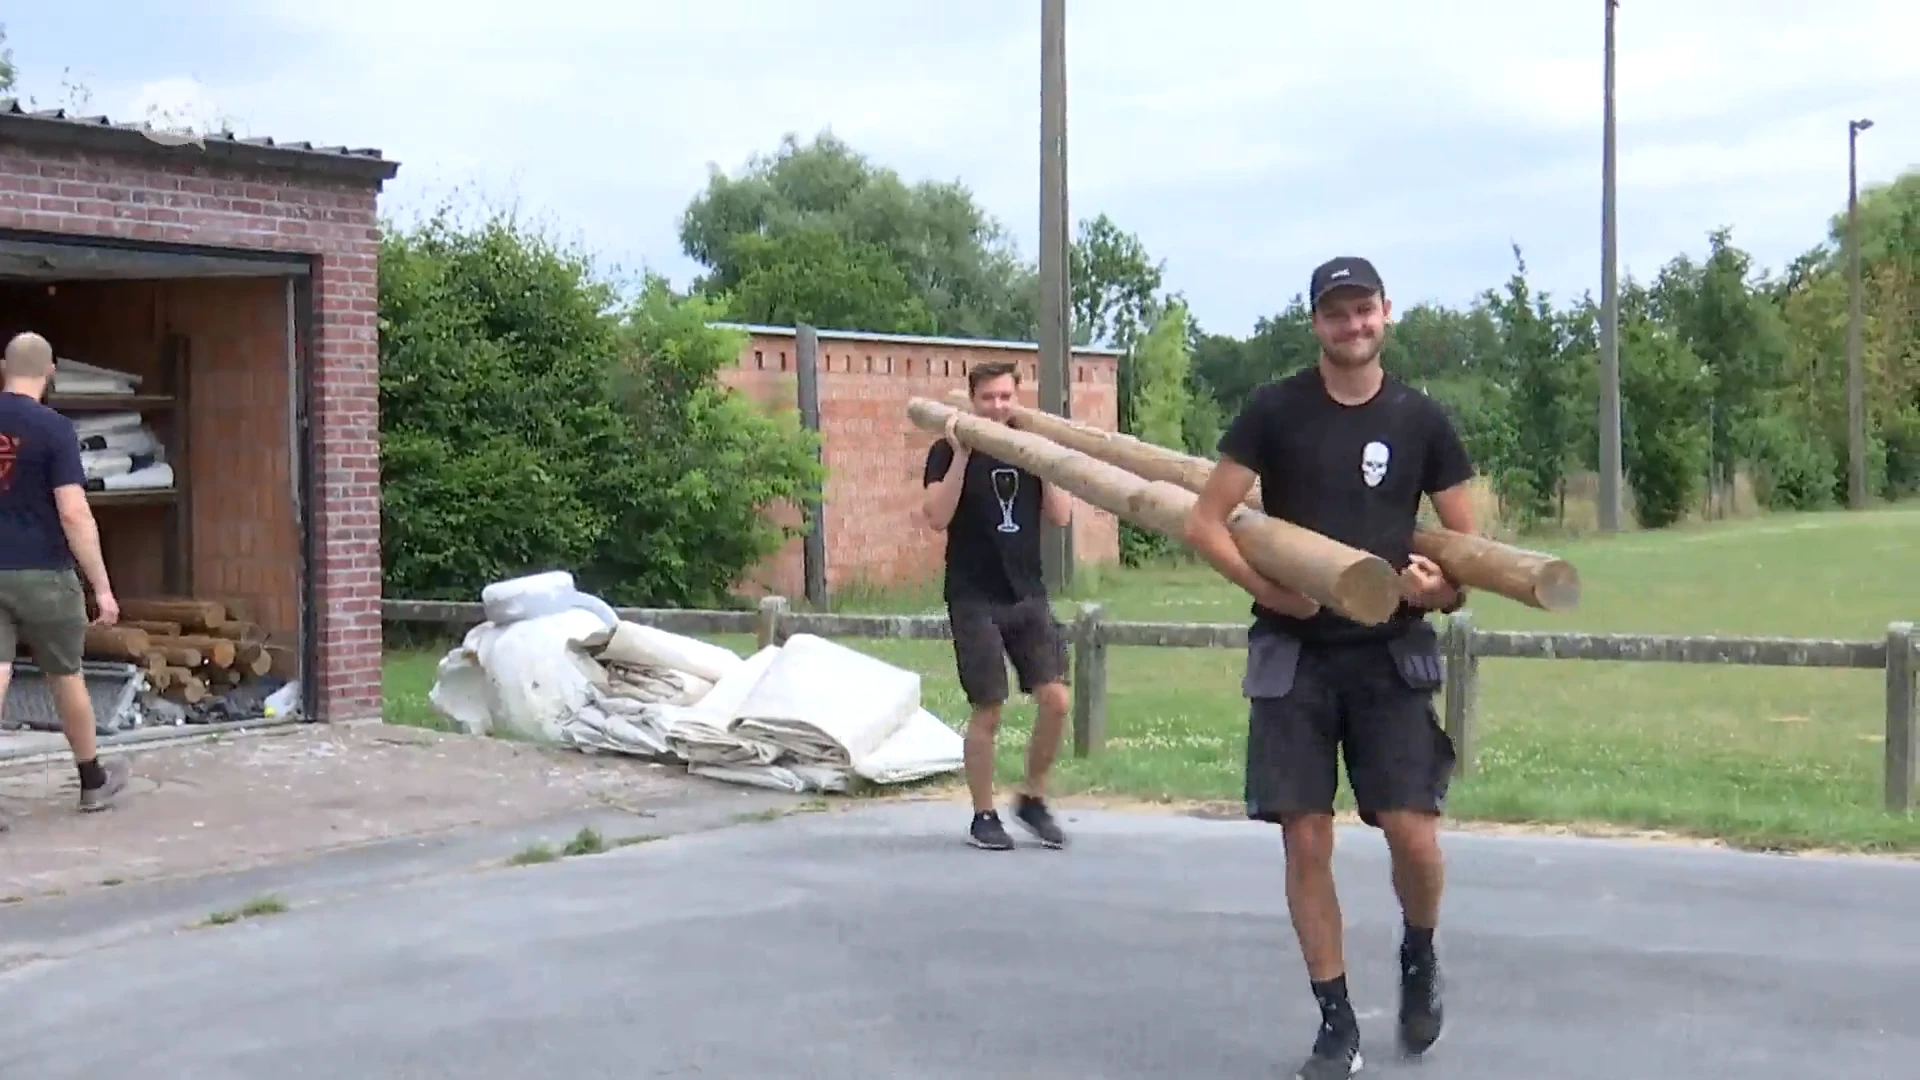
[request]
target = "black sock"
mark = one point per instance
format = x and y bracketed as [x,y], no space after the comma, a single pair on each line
[1335,1009]
[1418,941]
[91,774]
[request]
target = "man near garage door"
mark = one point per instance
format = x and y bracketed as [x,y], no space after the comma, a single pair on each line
[46,527]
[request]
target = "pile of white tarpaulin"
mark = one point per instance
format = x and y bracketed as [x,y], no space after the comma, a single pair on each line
[810,715]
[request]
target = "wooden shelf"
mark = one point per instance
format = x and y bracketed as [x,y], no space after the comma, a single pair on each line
[109,402]
[153,497]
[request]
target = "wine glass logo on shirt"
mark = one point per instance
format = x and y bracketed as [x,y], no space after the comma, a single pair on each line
[1006,484]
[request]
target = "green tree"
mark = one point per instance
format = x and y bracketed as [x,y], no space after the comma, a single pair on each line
[1543,389]
[1161,403]
[1664,432]
[814,275]
[1114,282]
[516,435]
[959,261]
[6,62]
[703,466]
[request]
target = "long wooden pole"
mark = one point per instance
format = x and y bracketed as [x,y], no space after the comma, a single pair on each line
[1533,578]
[1359,585]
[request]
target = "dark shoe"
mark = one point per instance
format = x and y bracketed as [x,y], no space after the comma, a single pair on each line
[1336,1055]
[1033,813]
[987,832]
[102,797]
[1420,1011]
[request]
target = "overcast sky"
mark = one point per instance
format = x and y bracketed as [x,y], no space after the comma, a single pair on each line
[1243,141]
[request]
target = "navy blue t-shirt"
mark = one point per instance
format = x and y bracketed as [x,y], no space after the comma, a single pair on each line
[38,453]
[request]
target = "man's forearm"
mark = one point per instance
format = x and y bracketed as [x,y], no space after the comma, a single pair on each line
[944,496]
[83,539]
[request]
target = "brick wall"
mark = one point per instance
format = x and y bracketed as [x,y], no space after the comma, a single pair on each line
[166,197]
[874,455]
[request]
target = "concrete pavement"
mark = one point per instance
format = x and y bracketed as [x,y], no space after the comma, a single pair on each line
[872,943]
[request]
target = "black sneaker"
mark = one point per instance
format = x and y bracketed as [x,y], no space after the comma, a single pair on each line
[987,832]
[102,797]
[1033,813]
[1420,1011]
[1336,1055]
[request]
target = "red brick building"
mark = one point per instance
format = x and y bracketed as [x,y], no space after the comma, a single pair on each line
[237,278]
[874,455]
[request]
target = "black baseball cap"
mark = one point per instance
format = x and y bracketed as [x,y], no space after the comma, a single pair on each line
[1345,271]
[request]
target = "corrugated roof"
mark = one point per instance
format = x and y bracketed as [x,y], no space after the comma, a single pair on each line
[59,127]
[913,339]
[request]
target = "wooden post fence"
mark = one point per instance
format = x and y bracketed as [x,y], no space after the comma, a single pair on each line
[1463,646]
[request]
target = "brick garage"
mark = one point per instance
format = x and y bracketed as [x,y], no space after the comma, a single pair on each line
[874,455]
[238,278]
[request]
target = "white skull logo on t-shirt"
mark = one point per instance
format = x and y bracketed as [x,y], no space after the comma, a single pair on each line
[1373,463]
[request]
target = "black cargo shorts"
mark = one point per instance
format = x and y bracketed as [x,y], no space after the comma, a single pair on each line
[987,635]
[1371,702]
[47,610]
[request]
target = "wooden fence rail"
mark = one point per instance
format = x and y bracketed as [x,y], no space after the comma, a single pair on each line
[1462,646]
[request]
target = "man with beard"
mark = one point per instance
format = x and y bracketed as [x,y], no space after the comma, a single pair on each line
[997,604]
[1346,450]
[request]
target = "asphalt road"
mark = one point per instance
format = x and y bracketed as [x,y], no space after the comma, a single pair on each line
[873,943]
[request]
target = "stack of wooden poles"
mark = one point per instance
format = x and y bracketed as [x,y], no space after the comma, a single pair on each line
[1154,487]
[189,648]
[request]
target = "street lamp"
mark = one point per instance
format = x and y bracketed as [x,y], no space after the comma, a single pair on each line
[1856,380]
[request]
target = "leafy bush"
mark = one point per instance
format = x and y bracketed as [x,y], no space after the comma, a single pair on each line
[516,436]
[1665,440]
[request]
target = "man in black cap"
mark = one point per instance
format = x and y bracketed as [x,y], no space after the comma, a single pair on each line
[1346,450]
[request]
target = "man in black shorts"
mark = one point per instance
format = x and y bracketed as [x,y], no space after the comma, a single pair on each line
[997,604]
[1346,450]
[46,527]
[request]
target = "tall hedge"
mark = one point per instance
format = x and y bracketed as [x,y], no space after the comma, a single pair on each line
[530,421]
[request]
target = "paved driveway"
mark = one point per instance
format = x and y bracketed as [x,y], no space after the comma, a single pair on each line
[872,943]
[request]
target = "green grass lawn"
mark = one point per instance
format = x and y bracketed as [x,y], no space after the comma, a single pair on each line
[1756,756]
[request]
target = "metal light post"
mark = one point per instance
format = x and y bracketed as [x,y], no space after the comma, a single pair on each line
[1856,378]
[1610,470]
[1055,311]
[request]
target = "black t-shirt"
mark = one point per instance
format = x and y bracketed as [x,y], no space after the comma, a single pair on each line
[1355,473]
[993,541]
[38,452]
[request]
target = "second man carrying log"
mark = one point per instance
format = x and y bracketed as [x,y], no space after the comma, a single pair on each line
[997,605]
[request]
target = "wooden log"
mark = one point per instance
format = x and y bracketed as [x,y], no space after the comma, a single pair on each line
[237,630]
[214,651]
[160,678]
[116,643]
[185,687]
[192,615]
[151,626]
[1533,578]
[182,656]
[254,660]
[1358,585]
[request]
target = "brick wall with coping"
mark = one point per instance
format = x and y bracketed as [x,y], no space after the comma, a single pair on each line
[170,196]
[874,455]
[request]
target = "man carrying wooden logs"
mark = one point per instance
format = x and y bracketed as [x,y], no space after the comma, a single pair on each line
[46,527]
[997,605]
[1346,450]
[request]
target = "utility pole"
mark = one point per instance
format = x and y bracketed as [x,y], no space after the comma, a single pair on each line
[1610,470]
[1856,378]
[1055,311]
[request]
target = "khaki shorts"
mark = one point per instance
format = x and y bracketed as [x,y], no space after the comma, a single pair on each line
[46,610]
